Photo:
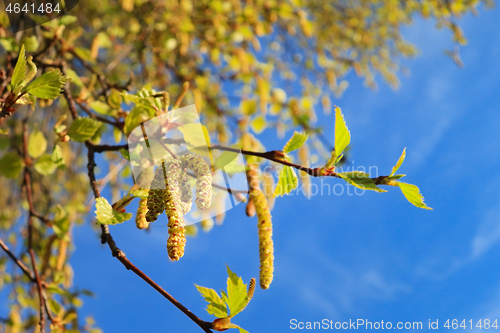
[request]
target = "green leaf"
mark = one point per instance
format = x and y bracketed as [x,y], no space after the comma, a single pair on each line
[83,53]
[194,135]
[360,180]
[115,99]
[8,43]
[100,107]
[248,107]
[67,19]
[137,116]
[31,43]
[48,85]
[36,144]
[20,70]
[105,214]
[26,99]
[226,158]
[57,157]
[73,77]
[413,195]
[258,124]
[236,293]
[400,161]
[287,181]
[30,74]
[395,177]
[61,223]
[82,129]
[11,165]
[216,305]
[342,135]
[44,165]
[295,142]
[125,153]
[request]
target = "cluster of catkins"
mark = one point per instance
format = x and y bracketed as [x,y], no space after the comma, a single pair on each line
[170,192]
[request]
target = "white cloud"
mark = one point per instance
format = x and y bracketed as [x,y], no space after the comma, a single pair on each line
[336,289]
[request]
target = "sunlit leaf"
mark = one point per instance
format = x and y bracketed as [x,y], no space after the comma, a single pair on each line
[413,195]
[248,107]
[236,293]
[361,180]
[216,305]
[11,165]
[44,165]
[295,142]
[37,144]
[138,115]
[105,214]
[342,135]
[20,70]
[398,164]
[82,129]
[258,124]
[287,181]
[48,85]
[57,156]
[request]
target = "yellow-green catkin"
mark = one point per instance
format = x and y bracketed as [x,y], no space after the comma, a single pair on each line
[265,228]
[186,194]
[140,216]
[203,179]
[155,201]
[250,290]
[172,199]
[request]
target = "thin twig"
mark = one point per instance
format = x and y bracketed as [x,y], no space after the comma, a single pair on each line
[18,262]
[29,196]
[178,101]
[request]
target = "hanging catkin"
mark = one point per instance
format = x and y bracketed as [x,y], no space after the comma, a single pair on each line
[155,201]
[186,194]
[265,228]
[140,216]
[203,179]
[172,198]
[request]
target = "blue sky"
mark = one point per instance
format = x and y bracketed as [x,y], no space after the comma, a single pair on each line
[374,257]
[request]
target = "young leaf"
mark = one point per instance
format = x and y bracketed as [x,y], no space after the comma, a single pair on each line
[413,195]
[48,85]
[258,124]
[360,180]
[125,153]
[30,74]
[82,129]
[26,99]
[105,214]
[295,142]
[248,107]
[236,293]
[342,135]
[216,305]
[20,69]
[100,107]
[57,156]
[400,161]
[287,181]
[11,165]
[36,144]
[138,115]
[44,165]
